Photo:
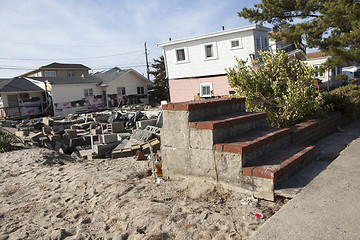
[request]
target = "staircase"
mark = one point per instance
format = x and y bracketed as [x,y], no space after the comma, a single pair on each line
[216,138]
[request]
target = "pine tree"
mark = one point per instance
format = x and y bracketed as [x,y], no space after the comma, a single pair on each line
[332,26]
[160,89]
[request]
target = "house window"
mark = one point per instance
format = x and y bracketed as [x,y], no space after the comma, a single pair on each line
[236,44]
[317,74]
[49,73]
[265,43]
[258,43]
[140,90]
[24,96]
[209,51]
[88,92]
[121,91]
[206,90]
[71,74]
[180,55]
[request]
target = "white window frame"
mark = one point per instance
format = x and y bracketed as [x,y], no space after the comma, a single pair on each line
[121,91]
[239,40]
[214,51]
[203,85]
[318,74]
[141,90]
[50,73]
[185,55]
[88,92]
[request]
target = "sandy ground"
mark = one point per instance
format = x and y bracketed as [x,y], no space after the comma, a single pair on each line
[44,195]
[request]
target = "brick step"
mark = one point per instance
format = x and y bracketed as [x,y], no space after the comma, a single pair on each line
[204,134]
[274,169]
[255,143]
[227,120]
[208,108]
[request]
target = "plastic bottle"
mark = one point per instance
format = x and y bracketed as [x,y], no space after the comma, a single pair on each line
[158,166]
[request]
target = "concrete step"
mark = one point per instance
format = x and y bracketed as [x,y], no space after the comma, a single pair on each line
[255,143]
[274,169]
[199,110]
[205,133]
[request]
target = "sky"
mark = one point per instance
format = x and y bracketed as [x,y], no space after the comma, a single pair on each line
[102,34]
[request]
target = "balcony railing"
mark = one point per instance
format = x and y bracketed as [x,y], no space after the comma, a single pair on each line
[290,48]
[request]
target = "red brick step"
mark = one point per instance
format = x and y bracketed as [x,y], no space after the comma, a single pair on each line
[227,120]
[251,140]
[282,164]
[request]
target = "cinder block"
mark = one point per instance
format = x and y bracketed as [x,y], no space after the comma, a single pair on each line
[143,124]
[116,127]
[96,131]
[72,133]
[108,138]
[55,137]
[104,148]
[155,144]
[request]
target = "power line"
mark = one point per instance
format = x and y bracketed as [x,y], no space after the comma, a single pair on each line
[66,59]
[70,46]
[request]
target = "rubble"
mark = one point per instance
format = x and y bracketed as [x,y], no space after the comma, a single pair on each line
[119,133]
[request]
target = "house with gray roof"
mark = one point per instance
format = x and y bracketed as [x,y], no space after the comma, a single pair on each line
[21,98]
[105,89]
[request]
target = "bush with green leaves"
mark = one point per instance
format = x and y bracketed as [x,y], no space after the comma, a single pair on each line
[345,99]
[282,88]
[6,142]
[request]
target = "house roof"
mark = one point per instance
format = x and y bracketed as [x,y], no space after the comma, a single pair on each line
[68,80]
[215,34]
[56,65]
[315,55]
[18,85]
[112,74]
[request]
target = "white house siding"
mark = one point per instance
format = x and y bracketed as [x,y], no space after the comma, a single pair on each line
[198,65]
[130,81]
[328,78]
[69,98]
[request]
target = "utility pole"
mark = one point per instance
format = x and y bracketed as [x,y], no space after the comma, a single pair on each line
[147,62]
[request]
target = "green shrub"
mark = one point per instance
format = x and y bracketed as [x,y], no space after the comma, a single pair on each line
[277,86]
[6,142]
[345,99]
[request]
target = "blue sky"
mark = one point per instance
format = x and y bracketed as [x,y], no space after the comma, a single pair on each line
[104,33]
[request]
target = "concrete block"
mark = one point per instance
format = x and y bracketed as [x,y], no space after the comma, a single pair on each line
[72,133]
[46,129]
[37,136]
[201,138]
[80,141]
[55,137]
[146,148]
[58,130]
[153,129]
[116,127]
[135,148]
[122,144]
[104,148]
[76,155]
[228,166]
[108,138]
[175,161]
[144,123]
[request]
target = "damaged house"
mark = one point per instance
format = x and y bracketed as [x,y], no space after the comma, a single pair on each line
[72,89]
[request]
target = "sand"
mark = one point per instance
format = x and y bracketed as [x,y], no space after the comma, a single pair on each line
[44,195]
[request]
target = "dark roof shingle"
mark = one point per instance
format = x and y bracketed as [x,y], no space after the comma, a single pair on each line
[18,85]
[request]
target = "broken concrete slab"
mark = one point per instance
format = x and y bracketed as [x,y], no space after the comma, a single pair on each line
[55,137]
[85,153]
[144,123]
[72,133]
[108,138]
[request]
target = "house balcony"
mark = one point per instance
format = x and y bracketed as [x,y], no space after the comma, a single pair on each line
[294,51]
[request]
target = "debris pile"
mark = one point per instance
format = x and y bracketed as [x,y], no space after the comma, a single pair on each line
[112,134]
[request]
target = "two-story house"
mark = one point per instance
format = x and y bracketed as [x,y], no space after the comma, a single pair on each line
[59,70]
[196,65]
